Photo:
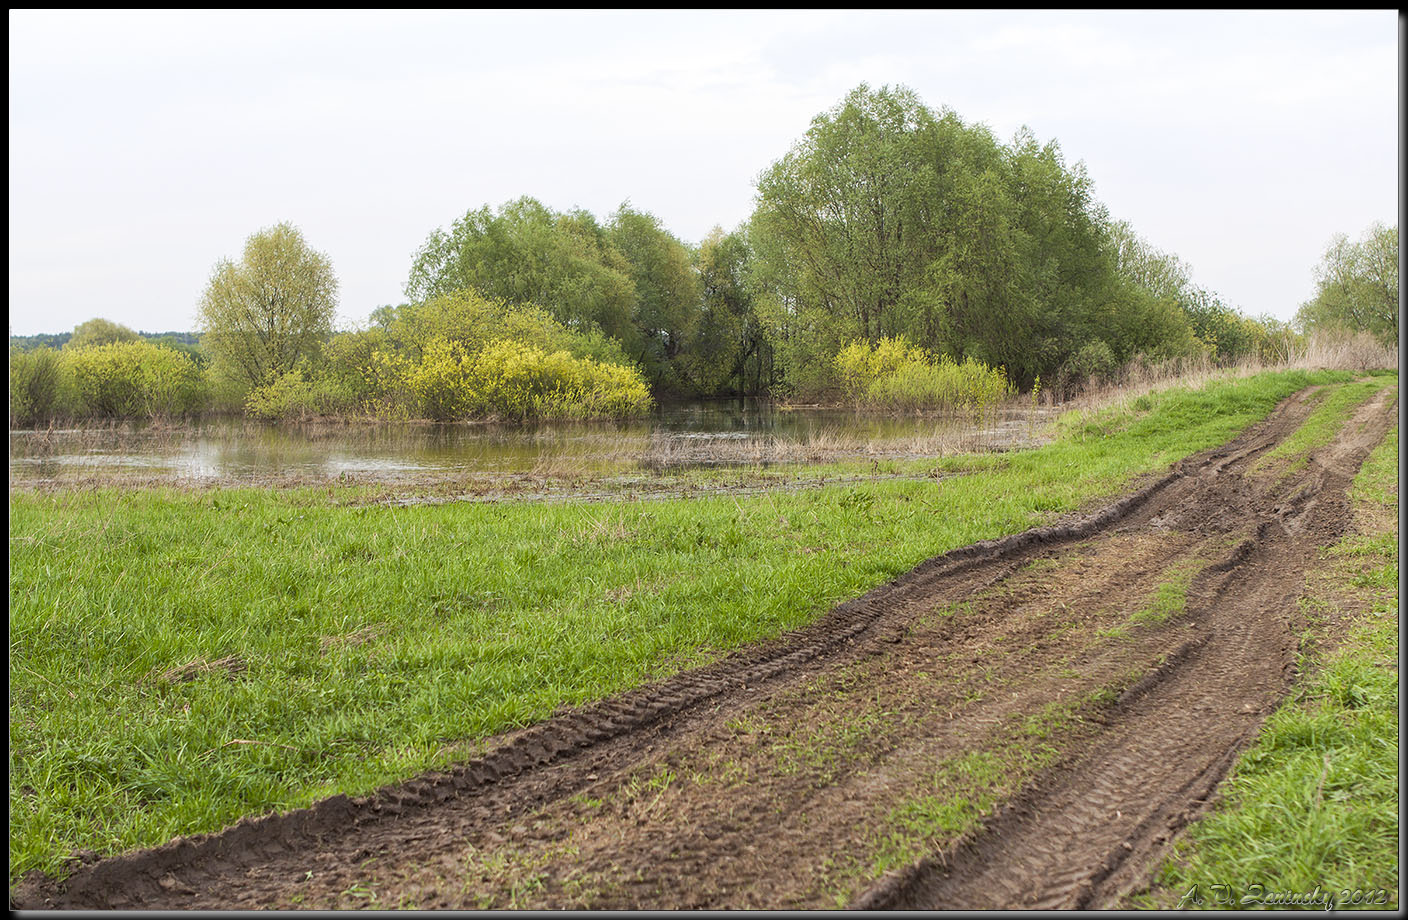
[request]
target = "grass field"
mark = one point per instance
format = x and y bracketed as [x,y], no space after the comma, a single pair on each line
[179,659]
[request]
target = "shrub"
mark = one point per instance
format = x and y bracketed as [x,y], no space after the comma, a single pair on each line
[132,380]
[474,321]
[1093,362]
[442,384]
[39,389]
[388,377]
[296,395]
[895,375]
[861,364]
[99,331]
[515,380]
[350,363]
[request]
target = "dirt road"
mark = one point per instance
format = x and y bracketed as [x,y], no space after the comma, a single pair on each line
[1020,723]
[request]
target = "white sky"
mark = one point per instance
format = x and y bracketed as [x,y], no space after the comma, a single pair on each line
[144,147]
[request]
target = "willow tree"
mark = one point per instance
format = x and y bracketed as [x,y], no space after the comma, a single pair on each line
[890,219]
[851,207]
[259,316]
[1356,286]
[667,298]
[527,254]
[731,352]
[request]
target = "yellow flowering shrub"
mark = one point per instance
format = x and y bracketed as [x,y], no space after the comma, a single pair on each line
[893,374]
[516,380]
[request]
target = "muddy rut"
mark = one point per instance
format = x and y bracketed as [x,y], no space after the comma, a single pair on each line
[1025,722]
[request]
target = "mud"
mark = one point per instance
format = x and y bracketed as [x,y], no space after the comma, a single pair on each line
[1025,722]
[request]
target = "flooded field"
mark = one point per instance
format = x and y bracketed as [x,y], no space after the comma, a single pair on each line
[683,436]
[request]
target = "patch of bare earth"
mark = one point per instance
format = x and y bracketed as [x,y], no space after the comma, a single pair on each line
[1025,722]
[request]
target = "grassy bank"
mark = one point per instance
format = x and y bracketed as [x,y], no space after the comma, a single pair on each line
[1310,813]
[182,658]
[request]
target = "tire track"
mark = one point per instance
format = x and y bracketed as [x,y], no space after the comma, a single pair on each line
[1086,837]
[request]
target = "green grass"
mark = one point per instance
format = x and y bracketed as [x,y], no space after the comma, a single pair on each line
[1312,808]
[370,643]
[1170,596]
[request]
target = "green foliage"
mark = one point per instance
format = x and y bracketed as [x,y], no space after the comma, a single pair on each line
[521,381]
[461,356]
[1357,286]
[861,364]
[1274,341]
[845,207]
[39,389]
[99,332]
[630,284]
[132,380]
[889,219]
[474,320]
[528,255]
[514,380]
[348,364]
[259,317]
[443,382]
[1223,331]
[1207,323]
[731,351]
[885,219]
[294,396]
[895,375]
[667,296]
[185,343]
[42,340]
[1093,363]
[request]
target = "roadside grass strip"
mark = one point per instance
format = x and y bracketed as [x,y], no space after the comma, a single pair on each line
[1309,817]
[180,659]
[1333,411]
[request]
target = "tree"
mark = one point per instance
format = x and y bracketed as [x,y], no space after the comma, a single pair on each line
[852,206]
[667,297]
[527,254]
[258,317]
[1216,328]
[731,347]
[890,219]
[1357,286]
[99,331]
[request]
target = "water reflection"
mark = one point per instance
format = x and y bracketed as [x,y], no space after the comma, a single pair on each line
[676,436]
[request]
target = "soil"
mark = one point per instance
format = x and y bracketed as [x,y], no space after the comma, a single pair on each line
[1024,722]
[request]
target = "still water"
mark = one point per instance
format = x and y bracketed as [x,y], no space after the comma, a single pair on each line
[673,437]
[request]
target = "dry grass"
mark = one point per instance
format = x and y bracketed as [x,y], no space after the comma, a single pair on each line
[196,667]
[1322,351]
[1359,351]
[351,640]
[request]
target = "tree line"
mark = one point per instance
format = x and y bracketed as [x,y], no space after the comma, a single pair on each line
[896,256]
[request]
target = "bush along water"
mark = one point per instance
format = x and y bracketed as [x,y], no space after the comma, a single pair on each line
[892,374]
[128,380]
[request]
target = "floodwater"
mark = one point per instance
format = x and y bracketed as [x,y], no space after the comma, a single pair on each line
[680,436]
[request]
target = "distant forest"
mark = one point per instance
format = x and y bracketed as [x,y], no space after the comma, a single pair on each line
[60,339]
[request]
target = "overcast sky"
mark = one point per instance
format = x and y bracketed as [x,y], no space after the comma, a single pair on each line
[144,147]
